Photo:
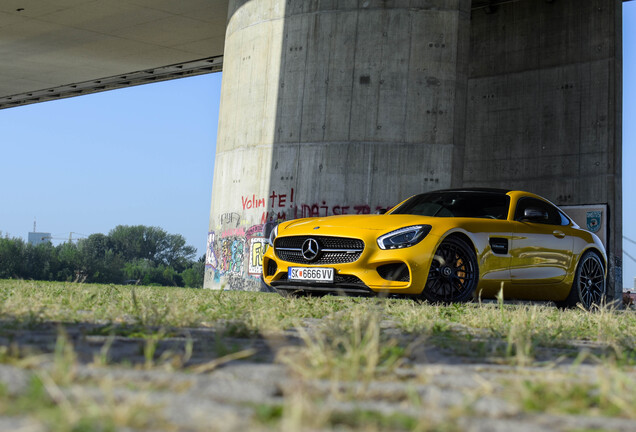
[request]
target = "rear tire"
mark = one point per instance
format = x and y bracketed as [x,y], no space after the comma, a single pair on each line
[454,273]
[588,287]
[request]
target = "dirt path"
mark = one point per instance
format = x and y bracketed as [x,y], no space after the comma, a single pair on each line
[196,379]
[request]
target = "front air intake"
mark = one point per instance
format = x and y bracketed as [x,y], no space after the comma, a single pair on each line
[397,272]
[271,267]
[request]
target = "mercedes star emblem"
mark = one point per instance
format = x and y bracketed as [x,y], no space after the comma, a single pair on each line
[310,249]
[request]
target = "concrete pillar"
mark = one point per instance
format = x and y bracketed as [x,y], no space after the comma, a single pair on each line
[332,107]
[544,105]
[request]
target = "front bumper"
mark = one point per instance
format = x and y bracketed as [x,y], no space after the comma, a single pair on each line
[343,284]
[370,274]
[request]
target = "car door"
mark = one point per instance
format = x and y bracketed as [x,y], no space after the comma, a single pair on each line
[541,250]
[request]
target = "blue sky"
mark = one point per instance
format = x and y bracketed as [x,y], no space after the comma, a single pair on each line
[629,139]
[145,155]
[140,155]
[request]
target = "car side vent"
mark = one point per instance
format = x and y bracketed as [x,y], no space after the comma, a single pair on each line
[499,245]
[397,272]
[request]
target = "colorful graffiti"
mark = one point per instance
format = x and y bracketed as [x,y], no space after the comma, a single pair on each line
[232,255]
[233,232]
[258,246]
[210,256]
[235,250]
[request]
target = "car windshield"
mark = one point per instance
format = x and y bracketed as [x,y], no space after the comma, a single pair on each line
[471,204]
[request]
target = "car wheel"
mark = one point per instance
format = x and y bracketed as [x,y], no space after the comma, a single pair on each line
[454,274]
[588,287]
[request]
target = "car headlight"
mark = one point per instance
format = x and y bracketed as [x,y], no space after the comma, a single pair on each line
[404,237]
[272,236]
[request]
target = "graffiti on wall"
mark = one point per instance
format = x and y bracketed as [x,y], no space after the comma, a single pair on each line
[230,219]
[258,245]
[282,206]
[235,250]
[232,254]
[211,262]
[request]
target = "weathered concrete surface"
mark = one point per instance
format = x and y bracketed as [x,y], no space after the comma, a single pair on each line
[544,105]
[433,386]
[351,106]
[56,49]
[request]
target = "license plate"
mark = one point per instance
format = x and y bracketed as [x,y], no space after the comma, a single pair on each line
[313,274]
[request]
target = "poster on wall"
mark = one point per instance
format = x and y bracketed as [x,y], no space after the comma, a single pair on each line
[591,217]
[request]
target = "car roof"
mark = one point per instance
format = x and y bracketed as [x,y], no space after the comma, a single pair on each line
[476,189]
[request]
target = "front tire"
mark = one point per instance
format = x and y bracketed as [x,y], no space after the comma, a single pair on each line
[589,286]
[454,273]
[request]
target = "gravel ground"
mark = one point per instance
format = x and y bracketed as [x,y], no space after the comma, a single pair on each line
[206,389]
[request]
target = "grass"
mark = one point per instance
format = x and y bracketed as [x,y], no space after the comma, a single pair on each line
[576,398]
[52,399]
[334,340]
[246,314]
[242,313]
[348,347]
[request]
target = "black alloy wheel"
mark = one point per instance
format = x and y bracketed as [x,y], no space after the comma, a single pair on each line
[453,275]
[588,287]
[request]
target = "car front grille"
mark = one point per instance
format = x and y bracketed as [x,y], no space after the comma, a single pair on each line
[333,250]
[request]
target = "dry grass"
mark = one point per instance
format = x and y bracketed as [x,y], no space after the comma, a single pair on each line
[348,344]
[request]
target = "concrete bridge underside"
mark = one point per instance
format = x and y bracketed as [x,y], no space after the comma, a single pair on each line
[347,105]
[62,48]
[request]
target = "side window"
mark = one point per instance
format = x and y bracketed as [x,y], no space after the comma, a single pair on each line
[564,219]
[554,215]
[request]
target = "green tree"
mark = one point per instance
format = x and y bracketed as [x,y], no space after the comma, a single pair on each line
[12,258]
[147,254]
[176,253]
[148,273]
[70,262]
[151,243]
[135,242]
[40,261]
[193,276]
[99,261]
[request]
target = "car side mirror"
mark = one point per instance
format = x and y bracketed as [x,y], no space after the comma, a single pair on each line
[533,214]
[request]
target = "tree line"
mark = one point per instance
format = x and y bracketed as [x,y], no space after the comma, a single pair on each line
[128,254]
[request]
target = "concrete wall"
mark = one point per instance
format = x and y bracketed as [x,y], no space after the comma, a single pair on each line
[544,104]
[247,121]
[353,104]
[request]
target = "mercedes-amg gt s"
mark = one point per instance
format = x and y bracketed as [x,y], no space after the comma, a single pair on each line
[443,246]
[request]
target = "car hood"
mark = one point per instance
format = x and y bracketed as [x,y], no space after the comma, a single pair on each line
[350,223]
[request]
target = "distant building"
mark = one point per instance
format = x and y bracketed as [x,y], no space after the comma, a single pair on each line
[36,238]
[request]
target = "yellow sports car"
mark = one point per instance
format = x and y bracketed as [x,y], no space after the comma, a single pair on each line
[443,246]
